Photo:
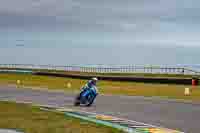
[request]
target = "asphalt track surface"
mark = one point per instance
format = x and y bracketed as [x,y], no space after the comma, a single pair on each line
[171,114]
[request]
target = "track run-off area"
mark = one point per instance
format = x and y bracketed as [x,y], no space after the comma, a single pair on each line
[172,114]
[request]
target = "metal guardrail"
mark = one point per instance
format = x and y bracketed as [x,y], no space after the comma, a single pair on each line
[16,71]
[108,69]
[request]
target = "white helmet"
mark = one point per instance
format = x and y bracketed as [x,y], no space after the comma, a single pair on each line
[94,79]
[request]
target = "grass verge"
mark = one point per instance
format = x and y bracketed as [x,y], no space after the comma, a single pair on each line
[33,120]
[105,87]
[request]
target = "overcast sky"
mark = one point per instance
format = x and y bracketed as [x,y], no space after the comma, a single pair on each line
[163,22]
[115,31]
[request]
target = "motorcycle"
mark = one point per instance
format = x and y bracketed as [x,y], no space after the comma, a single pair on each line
[86,97]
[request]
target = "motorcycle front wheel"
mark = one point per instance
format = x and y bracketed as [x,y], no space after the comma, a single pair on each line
[90,101]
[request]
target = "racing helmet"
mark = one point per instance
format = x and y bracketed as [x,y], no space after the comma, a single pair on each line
[94,80]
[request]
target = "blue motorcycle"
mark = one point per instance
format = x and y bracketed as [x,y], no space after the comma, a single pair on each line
[86,97]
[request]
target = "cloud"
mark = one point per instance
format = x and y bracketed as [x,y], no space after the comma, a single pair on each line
[146,21]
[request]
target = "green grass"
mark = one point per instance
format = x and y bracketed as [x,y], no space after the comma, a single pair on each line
[105,87]
[33,120]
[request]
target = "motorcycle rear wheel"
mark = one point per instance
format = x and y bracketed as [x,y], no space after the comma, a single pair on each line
[77,101]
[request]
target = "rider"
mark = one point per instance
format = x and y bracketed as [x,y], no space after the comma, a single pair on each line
[91,84]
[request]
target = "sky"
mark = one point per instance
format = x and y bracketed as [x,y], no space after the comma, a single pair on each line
[97,26]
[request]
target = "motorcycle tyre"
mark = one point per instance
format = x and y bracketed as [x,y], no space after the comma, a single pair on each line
[77,101]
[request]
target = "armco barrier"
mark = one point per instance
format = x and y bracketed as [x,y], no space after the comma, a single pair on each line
[164,80]
[108,68]
[185,81]
[15,71]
